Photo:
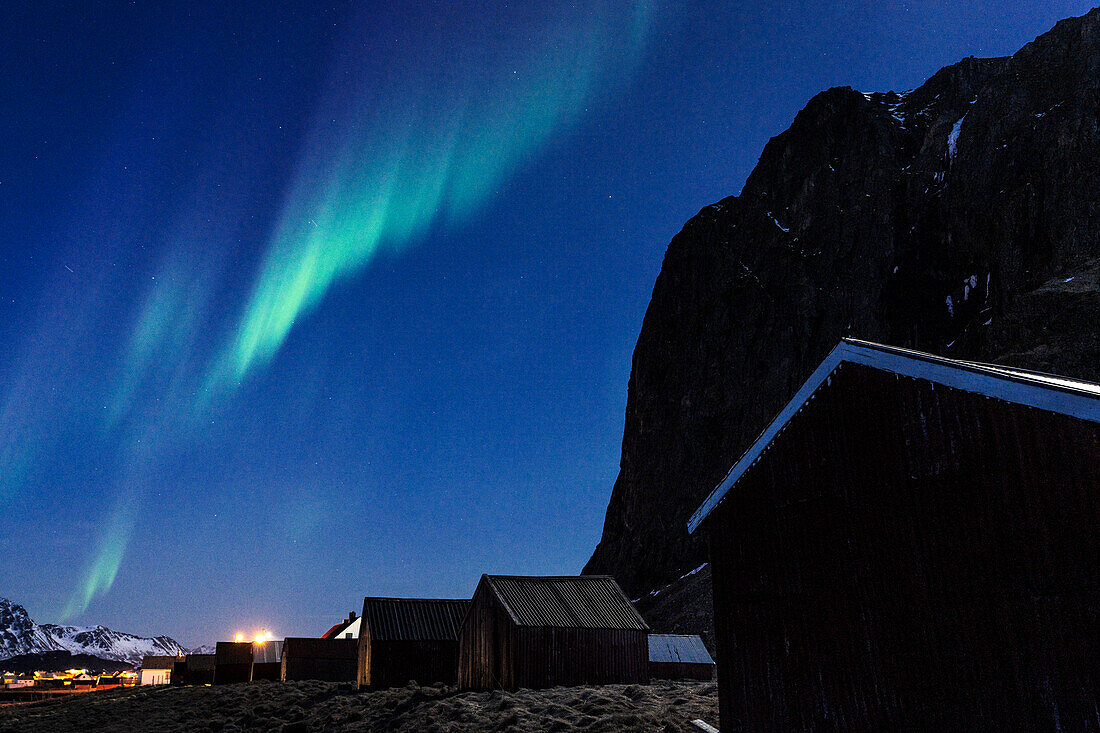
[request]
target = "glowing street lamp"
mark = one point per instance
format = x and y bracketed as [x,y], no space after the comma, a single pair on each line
[238,637]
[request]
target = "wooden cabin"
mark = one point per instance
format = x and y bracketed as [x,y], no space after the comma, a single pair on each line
[330,660]
[679,657]
[914,543]
[199,669]
[157,669]
[403,639]
[232,662]
[538,632]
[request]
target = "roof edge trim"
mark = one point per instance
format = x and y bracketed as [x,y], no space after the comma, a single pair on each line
[1075,398]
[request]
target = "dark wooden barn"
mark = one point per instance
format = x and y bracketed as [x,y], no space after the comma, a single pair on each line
[330,660]
[403,639]
[232,662]
[679,657]
[913,543]
[198,669]
[538,632]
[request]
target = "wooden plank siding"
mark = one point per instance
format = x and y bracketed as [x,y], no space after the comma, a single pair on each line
[326,659]
[680,671]
[908,555]
[408,639]
[497,653]
[232,662]
[199,669]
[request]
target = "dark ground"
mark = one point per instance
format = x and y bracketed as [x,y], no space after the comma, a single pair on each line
[312,706]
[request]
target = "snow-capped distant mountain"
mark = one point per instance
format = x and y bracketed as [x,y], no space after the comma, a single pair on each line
[108,644]
[19,634]
[204,649]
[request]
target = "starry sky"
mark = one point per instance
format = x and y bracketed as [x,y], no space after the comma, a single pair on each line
[302,302]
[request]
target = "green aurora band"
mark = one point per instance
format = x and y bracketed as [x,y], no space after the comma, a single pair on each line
[428,150]
[427,154]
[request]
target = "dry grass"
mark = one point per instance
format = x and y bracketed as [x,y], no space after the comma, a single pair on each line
[292,707]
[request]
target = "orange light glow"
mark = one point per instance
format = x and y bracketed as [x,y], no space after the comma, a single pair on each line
[261,637]
[238,637]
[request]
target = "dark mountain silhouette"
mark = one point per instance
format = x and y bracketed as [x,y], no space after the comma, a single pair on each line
[961,218]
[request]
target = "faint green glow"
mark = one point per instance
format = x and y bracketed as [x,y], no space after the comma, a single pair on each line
[15,459]
[156,361]
[100,575]
[426,154]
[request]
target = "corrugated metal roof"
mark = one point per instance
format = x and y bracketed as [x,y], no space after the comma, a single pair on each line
[683,648]
[267,652]
[414,619]
[572,601]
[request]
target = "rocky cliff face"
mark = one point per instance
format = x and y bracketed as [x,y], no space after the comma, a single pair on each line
[960,218]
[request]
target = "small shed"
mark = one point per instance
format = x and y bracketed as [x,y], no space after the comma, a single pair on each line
[679,657]
[267,660]
[157,669]
[232,662]
[402,639]
[330,660]
[199,669]
[912,543]
[539,632]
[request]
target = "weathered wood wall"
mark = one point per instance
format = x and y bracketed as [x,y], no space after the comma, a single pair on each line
[384,664]
[910,556]
[330,660]
[680,671]
[494,653]
[232,662]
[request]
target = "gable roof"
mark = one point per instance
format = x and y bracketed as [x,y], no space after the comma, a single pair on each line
[413,619]
[1072,397]
[338,630]
[571,601]
[678,648]
[333,630]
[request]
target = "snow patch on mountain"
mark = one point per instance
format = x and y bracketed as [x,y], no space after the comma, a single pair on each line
[19,634]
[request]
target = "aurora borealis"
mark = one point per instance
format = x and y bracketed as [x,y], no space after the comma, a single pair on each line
[303,303]
[434,141]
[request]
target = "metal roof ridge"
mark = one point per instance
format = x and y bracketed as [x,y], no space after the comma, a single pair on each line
[412,600]
[550,577]
[1051,392]
[499,596]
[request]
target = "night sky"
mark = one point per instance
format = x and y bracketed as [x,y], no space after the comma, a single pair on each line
[302,302]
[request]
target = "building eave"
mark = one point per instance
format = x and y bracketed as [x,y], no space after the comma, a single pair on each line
[1049,392]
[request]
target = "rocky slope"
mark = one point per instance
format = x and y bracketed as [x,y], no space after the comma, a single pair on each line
[960,218]
[19,635]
